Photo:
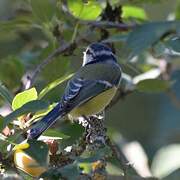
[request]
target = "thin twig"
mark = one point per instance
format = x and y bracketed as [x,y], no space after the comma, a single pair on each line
[46,61]
[109,25]
[69,47]
[75,32]
[120,156]
[101,24]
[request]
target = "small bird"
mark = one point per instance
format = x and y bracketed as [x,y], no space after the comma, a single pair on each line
[89,91]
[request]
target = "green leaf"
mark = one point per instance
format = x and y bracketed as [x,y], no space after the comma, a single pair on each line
[153,85]
[177,13]
[54,68]
[5,93]
[30,107]
[43,9]
[100,153]
[2,137]
[166,161]
[133,12]
[38,150]
[114,169]
[144,36]
[167,48]
[14,139]
[70,172]
[42,113]
[173,44]
[160,50]
[10,139]
[15,70]
[55,134]
[19,22]
[53,84]
[88,10]
[1,122]
[23,97]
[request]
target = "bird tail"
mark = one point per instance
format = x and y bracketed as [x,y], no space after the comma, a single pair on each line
[47,121]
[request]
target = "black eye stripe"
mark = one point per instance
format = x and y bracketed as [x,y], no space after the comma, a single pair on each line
[88,52]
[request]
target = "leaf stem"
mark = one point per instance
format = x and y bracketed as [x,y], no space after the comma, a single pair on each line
[75,32]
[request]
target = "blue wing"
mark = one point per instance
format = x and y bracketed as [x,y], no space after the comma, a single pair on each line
[77,92]
[73,88]
[80,90]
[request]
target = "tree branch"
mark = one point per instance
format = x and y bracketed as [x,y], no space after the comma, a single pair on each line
[46,61]
[110,25]
[69,47]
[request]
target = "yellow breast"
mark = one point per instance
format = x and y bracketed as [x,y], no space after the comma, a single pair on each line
[94,105]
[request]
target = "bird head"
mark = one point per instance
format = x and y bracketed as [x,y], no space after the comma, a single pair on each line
[98,52]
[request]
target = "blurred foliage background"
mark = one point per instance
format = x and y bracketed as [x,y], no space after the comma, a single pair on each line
[147,47]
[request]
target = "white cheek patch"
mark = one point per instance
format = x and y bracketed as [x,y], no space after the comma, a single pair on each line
[87,59]
[84,58]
